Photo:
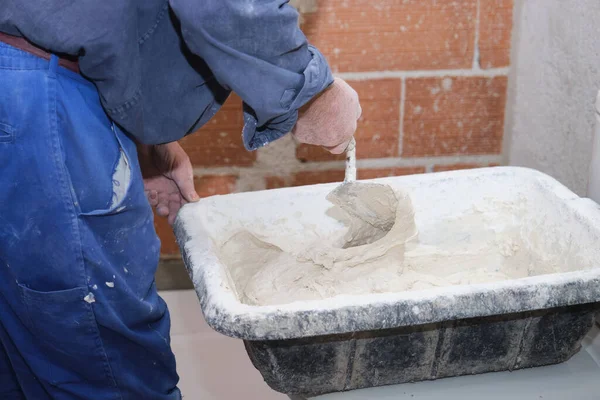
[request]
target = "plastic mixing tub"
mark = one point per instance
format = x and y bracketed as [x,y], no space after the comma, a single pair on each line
[356,341]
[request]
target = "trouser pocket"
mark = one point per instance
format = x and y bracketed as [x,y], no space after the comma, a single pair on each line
[96,153]
[7,133]
[63,324]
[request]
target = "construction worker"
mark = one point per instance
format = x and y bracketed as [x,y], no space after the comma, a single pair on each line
[93,98]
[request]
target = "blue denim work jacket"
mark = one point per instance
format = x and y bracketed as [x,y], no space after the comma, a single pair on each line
[163,68]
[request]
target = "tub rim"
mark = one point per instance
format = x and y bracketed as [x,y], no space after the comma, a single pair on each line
[354,313]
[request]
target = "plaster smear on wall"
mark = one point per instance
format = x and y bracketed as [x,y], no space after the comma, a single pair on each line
[485,244]
[553,84]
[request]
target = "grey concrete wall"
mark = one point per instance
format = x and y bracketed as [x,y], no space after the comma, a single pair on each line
[554,79]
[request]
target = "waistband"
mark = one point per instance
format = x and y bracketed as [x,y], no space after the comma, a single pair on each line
[66,61]
[12,58]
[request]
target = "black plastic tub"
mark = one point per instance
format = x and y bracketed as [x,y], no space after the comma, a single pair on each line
[364,340]
[335,363]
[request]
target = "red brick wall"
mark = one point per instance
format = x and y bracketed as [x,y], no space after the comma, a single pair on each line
[432,79]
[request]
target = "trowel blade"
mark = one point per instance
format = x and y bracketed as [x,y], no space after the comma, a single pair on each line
[373,203]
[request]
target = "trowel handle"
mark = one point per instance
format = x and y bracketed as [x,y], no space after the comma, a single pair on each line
[351,161]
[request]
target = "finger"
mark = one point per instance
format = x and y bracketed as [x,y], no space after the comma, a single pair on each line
[162,210]
[183,176]
[339,149]
[175,198]
[152,196]
[163,198]
[162,206]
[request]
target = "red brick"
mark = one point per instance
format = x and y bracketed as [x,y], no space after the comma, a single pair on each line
[495,26]
[275,182]
[454,116]
[385,172]
[378,127]
[168,244]
[367,35]
[210,185]
[454,167]
[327,176]
[315,177]
[219,142]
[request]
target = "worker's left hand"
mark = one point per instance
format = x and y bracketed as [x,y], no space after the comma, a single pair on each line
[168,178]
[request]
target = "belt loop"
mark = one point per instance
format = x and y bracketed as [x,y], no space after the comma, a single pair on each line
[53,64]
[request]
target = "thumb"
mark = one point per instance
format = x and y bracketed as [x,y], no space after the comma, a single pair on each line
[184,179]
[340,148]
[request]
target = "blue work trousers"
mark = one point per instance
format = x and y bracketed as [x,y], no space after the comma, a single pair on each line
[80,317]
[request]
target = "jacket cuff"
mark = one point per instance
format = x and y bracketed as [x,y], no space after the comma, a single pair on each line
[317,77]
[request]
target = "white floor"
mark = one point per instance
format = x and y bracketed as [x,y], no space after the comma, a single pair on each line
[215,367]
[211,366]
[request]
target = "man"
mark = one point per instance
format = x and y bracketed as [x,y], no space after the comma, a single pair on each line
[87,87]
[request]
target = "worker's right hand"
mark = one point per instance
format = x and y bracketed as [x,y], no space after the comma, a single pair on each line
[329,120]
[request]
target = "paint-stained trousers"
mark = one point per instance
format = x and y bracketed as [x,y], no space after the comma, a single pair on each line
[80,317]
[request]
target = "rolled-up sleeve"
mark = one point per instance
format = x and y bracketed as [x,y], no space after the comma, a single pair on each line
[256,49]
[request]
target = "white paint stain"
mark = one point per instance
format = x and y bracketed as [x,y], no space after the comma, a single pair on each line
[110,284]
[95,287]
[126,270]
[447,84]
[90,298]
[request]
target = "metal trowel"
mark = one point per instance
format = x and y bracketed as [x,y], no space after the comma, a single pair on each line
[370,207]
